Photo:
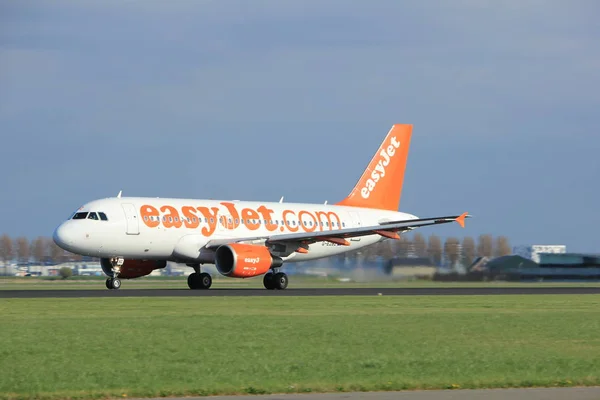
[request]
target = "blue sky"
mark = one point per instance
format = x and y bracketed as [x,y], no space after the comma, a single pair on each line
[255,100]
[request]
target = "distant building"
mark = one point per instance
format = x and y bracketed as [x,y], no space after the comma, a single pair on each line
[533,252]
[552,267]
[569,260]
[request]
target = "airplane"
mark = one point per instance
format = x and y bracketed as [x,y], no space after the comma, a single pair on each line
[134,236]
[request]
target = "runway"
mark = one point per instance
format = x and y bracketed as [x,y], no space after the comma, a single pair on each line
[585,393]
[456,291]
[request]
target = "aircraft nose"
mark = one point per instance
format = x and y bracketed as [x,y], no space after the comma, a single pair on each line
[63,236]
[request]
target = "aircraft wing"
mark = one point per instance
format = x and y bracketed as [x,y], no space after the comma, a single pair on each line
[386,229]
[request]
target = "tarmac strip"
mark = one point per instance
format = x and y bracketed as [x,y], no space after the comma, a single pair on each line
[457,291]
[577,393]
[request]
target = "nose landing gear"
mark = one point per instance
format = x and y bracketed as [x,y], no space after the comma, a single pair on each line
[114,282]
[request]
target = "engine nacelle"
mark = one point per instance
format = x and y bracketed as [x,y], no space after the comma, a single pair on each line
[238,260]
[132,268]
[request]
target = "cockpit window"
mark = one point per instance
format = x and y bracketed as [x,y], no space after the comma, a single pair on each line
[80,215]
[100,216]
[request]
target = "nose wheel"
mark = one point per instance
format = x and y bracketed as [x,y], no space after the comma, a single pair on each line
[199,280]
[275,281]
[113,283]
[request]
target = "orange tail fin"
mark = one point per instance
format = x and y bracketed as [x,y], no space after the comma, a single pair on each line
[380,186]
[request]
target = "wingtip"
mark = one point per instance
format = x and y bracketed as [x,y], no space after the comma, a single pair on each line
[461,219]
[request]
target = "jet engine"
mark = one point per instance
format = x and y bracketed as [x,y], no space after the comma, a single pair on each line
[132,268]
[238,260]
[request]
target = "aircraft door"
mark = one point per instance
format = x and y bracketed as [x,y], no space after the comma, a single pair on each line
[131,217]
[356,223]
[355,219]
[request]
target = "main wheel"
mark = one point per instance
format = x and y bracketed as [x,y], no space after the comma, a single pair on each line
[268,281]
[205,280]
[108,283]
[280,281]
[115,283]
[194,281]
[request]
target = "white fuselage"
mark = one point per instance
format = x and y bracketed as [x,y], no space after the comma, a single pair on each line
[177,229]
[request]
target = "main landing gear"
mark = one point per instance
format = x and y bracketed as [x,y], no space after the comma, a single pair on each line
[199,280]
[275,281]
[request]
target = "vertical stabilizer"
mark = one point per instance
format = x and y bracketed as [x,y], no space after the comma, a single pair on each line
[380,186]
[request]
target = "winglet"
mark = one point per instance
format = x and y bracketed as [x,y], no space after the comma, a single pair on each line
[461,219]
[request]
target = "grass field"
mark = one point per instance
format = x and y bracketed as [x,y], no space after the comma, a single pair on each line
[128,347]
[34,283]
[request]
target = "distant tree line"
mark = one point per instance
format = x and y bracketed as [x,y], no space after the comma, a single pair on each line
[40,250]
[451,252]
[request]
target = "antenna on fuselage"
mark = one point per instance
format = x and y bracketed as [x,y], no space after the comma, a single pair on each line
[119,195]
[325,202]
[281,199]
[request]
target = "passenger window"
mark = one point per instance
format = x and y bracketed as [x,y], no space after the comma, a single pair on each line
[102,216]
[93,216]
[80,215]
